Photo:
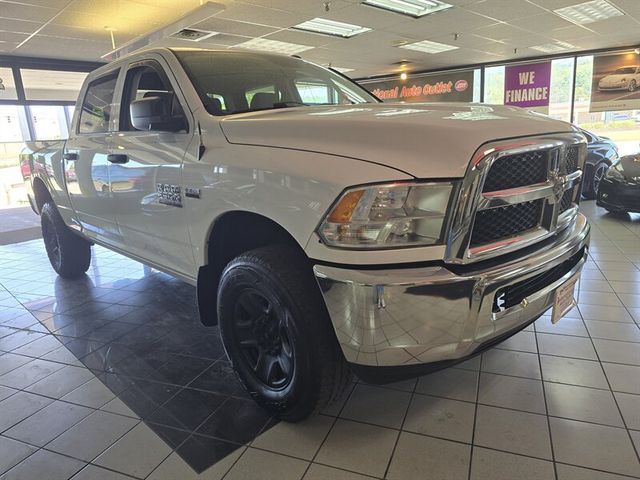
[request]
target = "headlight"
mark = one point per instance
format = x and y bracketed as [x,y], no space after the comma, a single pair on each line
[615,172]
[388,216]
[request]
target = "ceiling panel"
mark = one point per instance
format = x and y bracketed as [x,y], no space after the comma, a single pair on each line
[18,26]
[488,30]
[503,9]
[216,24]
[26,12]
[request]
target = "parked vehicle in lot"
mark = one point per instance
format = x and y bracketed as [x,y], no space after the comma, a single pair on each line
[601,153]
[326,232]
[620,188]
[623,78]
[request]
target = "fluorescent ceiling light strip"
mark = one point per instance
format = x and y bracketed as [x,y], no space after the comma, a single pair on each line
[554,47]
[413,8]
[589,12]
[427,46]
[330,27]
[274,46]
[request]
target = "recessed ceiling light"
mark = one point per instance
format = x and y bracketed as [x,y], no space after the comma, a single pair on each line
[555,47]
[413,8]
[274,46]
[330,27]
[426,46]
[589,12]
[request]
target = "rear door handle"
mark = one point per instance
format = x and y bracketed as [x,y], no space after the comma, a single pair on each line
[117,158]
[70,156]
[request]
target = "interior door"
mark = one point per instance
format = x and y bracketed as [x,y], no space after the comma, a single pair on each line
[85,161]
[146,173]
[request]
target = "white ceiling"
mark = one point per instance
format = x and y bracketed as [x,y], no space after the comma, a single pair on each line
[488,30]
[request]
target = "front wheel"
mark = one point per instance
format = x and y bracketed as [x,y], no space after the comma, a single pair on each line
[633,85]
[277,333]
[69,254]
[598,174]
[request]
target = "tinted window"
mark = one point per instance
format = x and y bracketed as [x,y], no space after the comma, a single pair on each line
[145,82]
[97,105]
[251,81]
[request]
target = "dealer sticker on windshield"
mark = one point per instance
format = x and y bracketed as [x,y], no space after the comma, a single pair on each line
[564,299]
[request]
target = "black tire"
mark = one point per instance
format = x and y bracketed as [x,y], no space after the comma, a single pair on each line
[597,174]
[632,86]
[277,333]
[69,254]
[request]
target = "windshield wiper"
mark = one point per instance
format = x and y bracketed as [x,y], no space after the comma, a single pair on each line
[289,104]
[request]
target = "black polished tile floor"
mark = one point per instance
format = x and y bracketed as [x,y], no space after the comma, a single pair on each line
[135,329]
[112,377]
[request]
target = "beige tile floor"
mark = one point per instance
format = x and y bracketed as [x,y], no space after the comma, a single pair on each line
[553,402]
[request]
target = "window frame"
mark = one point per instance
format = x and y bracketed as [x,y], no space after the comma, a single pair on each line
[124,93]
[115,72]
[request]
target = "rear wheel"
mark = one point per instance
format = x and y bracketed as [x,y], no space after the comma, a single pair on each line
[277,333]
[69,254]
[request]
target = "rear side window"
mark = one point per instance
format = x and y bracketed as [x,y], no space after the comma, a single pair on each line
[97,105]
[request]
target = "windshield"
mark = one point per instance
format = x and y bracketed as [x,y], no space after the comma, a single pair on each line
[625,70]
[235,82]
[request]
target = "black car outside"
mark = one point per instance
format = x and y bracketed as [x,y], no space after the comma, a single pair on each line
[601,153]
[620,188]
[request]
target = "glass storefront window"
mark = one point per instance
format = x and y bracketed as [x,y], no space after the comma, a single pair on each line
[7,85]
[494,85]
[51,84]
[49,122]
[560,91]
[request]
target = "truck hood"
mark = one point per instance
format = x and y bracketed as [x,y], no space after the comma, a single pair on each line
[426,140]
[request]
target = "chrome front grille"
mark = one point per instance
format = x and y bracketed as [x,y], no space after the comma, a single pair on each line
[515,195]
[503,222]
[514,171]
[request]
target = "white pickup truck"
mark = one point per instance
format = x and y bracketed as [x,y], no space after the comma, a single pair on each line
[326,232]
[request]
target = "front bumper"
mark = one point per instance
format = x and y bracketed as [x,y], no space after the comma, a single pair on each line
[402,322]
[617,196]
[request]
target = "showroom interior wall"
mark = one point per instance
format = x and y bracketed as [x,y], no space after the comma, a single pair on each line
[37,98]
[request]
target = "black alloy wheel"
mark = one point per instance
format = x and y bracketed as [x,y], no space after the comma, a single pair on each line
[51,243]
[598,175]
[261,329]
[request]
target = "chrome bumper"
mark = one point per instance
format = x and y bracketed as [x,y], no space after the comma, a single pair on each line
[402,317]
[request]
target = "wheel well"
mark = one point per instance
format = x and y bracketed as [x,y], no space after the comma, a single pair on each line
[233,234]
[40,193]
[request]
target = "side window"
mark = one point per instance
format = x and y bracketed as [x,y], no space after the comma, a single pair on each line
[146,82]
[97,105]
[314,92]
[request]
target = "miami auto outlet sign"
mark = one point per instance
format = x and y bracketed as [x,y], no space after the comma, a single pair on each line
[441,87]
[527,85]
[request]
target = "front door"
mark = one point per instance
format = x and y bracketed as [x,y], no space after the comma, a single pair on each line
[146,182]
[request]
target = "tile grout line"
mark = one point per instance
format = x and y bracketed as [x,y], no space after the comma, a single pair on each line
[546,407]
[401,429]
[335,420]
[475,416]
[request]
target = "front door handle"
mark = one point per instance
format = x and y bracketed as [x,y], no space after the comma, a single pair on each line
[117,158]
[70,156]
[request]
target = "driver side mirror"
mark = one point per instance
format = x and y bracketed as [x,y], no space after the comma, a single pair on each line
[155,113]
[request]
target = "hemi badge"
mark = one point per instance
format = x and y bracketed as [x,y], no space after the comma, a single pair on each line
[192,192]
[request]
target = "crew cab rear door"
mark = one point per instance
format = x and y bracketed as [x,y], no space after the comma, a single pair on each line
[85,161]
[146,184]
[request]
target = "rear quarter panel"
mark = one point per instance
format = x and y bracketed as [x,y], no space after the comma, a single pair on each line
[43,161]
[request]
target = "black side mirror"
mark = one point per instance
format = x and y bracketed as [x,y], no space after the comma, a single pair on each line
[155,113]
